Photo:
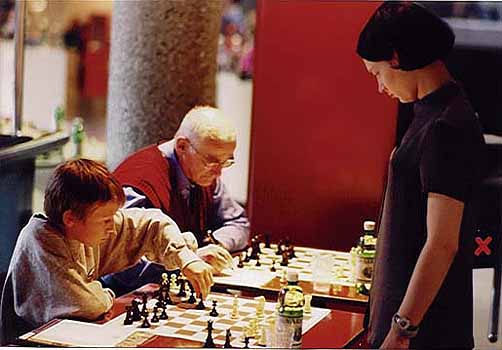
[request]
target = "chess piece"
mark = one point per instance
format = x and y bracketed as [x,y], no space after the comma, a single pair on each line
[235,308]
[227,344]
[267,240]
[155,317]
[262,339]
[136,314]
[260,306]
[248,255]
[240,265]
[163,314]
[284,276]
[192,299]
[164,284]
[144,307]
[145,323]
[307,310]
[173,281]
[285,258]
[128,319]
[182,293]
[246,343]
[209,339]
[200,305]
[273,269]
[291,252]
[214,312]
[258,260]
[279,248]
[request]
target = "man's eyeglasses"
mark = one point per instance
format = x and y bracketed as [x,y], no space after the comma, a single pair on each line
[211,164]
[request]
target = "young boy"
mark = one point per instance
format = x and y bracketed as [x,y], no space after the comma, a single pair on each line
[83,235]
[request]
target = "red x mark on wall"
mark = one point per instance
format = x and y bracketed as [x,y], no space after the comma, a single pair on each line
[483,246]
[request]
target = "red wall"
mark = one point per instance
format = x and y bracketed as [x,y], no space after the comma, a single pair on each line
[321,134]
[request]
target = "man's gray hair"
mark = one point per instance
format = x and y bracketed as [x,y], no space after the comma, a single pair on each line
[207,123]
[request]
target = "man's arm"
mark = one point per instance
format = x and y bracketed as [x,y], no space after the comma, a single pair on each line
[444,217]
[231,220]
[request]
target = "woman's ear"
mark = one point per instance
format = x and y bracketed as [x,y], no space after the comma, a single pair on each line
[394,62]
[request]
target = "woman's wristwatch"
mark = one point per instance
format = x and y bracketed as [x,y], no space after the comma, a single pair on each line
[404,327]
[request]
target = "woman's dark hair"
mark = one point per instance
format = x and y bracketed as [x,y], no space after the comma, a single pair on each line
[77,185]
[417,35]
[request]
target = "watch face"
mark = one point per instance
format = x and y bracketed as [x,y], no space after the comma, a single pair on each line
[403,323]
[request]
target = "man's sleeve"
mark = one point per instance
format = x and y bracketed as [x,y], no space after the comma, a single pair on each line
[232,225]
[146,232]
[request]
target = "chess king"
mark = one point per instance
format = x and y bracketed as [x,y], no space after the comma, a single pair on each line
[83,235]
[181,177]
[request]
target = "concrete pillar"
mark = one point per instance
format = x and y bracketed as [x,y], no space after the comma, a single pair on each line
[162,63]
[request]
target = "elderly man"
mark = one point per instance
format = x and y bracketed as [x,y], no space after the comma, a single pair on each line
[182,178]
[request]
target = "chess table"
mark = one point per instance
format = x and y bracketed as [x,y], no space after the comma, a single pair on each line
[254,279]
[331,329]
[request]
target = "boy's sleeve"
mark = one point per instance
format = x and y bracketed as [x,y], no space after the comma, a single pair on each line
[145,232]
[47,285]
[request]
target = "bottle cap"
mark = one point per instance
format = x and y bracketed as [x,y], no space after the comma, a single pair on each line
[369,225]
[292,276]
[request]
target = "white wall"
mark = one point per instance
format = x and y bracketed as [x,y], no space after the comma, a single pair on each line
[44,83]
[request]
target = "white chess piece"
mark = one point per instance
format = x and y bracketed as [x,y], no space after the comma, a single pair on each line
[235,308]
[307,310]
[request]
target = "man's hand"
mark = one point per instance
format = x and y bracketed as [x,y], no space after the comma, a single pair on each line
[190,240]
[395,341]
[218,257]
[200,276]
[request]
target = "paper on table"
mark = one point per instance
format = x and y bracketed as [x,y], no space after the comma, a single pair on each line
[75,333]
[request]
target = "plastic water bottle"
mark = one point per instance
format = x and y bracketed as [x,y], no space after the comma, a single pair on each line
[290,313]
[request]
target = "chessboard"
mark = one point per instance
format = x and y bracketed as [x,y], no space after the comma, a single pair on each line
[245,318]
[269,265]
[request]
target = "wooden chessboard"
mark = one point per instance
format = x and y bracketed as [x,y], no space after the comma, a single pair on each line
[183,323]
[258,276]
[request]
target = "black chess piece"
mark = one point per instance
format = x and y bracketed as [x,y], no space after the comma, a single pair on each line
[267,240]
[240,265]
[258,263]
[227,344]
[144,309]
[155,317]
[247,257]
[246,343]
[279,247]
[200,305]
[182,293]
[285,258]
[273,269]
[214,312]
[291,252]
[136,314]
[163,315]
[192,299]
[145,323]
[255,247]
[128,319]
[209,339]
[168,300]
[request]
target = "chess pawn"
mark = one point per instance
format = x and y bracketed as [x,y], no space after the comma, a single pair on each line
[163,314]
[262,339]
[214,312]
[128,319]
[240,265]
[273,269]
[145,323]
[258,260]
[307,309]
[235,308]
[200,305]
[155,317]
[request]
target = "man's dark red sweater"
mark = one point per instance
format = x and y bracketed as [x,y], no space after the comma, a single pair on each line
[148,172]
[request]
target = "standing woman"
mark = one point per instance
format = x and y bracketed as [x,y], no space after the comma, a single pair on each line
[421,295]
